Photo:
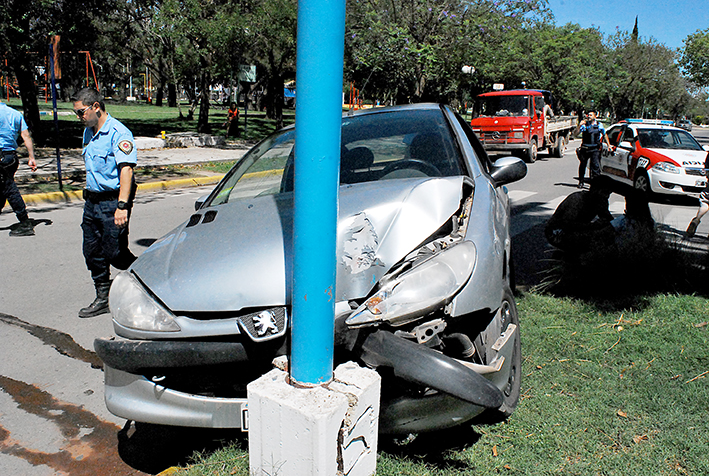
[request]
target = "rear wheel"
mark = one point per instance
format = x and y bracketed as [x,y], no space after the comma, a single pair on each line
[560,147]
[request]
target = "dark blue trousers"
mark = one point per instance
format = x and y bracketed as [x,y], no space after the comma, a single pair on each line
[10,193]
[104,243]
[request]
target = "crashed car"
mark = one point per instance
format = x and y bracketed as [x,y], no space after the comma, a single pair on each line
[423,292]
[655,157]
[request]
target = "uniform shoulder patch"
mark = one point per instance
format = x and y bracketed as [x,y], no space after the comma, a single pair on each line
[125,146]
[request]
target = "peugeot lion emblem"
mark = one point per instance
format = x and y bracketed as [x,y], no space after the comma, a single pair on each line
[265,323]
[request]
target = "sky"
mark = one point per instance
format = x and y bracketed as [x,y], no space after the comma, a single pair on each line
[668,21]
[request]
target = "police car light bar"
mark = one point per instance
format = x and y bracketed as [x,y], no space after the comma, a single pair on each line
[664,122]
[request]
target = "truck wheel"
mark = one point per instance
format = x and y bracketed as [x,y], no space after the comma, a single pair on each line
[560,147]
[530,155]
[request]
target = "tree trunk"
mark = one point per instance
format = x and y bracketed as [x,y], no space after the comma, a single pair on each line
[203,120]
[28,93]
[171,95]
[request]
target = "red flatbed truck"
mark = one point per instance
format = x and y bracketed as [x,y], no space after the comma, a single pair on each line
[521,122]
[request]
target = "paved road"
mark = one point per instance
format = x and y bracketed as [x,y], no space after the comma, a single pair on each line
[52,416]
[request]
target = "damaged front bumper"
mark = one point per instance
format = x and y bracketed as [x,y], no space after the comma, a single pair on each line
[134,397]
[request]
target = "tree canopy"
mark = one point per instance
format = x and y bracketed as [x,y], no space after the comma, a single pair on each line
[395,52]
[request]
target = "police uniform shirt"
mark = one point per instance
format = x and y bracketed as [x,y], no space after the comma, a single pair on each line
[104,152]
[11,124]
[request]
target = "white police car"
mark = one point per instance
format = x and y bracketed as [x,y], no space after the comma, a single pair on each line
[654,156]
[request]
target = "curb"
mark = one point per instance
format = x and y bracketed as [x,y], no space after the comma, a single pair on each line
[73,195]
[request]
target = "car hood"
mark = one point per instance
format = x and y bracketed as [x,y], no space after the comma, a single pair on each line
[235,256]
[682,157]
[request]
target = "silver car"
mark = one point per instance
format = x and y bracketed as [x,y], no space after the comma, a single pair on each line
[423,294]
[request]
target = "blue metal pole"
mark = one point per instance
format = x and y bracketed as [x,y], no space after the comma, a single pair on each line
[319,66]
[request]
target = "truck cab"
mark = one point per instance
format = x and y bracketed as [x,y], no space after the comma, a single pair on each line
[519,122]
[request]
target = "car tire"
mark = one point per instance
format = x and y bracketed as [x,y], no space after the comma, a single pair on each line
[511,391]
[530,155]
[641,183]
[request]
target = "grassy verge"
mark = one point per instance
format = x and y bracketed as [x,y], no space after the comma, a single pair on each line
[148,120]
[605,390]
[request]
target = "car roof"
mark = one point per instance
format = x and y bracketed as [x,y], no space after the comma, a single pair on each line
[648,124]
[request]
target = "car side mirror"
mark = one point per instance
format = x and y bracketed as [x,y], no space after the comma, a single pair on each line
[507,170]
[200,201]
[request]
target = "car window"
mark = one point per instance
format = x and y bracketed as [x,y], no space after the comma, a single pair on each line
[667,139]
[378,146]
[613,134]
[501,106]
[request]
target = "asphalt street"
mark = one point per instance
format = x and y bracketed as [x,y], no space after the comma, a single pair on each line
[52,416]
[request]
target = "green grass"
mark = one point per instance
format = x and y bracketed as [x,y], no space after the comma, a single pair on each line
[604,392]
[148,120]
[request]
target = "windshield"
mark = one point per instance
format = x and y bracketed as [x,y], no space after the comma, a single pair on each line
[380,146]
[502,106]
[667,139]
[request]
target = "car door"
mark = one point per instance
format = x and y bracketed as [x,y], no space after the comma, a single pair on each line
[617,164]
[624,152]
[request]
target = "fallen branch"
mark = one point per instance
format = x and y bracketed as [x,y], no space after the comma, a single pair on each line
[701,375]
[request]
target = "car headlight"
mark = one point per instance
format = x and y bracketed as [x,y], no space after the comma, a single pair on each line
[420,290]
[667,167]
[132,307]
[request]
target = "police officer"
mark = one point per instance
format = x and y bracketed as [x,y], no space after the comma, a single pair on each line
[109,155]
[12,124]
[592,133]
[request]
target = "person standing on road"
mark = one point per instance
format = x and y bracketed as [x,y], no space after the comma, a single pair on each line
[109,155]
[592,133]
[12,125]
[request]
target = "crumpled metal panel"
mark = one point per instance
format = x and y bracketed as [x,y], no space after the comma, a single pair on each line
[238,260]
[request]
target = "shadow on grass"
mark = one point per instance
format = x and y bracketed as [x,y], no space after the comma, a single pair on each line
[153,448]
[434,448]
[641,263]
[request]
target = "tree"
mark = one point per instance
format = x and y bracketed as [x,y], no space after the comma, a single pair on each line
[695,57]
[203,34]
[414,50]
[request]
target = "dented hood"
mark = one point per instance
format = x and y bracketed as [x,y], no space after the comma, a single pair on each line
[235,256]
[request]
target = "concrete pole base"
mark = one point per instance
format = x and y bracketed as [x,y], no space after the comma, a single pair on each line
[326,430]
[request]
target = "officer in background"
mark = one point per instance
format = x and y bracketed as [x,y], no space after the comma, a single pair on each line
[109,155]
[12,124]
[592,133]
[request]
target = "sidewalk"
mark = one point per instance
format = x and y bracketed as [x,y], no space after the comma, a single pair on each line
[72,163]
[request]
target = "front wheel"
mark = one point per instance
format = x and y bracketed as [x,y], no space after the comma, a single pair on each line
[530,155]
[642,182]
[511,390]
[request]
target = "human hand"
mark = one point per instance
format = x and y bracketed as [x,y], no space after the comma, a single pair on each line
[120,218]
[32,163]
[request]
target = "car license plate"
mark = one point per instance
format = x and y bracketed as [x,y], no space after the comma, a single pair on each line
[245,417]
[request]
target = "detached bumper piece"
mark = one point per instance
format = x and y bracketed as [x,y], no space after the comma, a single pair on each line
[134,355]
[419,364]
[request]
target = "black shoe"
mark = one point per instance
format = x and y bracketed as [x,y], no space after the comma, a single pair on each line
[100,304]
[96,308]
[24,228]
